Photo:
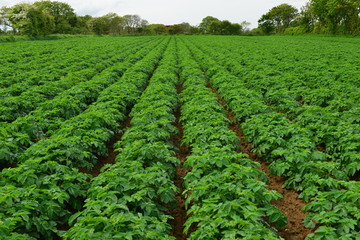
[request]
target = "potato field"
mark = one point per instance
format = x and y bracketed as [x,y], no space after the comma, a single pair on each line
[180,137]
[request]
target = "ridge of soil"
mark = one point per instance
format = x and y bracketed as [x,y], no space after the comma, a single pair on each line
[96,170]
[110,158]
[179,213]
[290,205]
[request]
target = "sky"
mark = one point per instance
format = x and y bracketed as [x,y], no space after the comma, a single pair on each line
[170,12]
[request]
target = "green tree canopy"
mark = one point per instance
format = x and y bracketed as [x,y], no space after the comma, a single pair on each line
[278,18]
[83,25]
[212,25]
[30,20]
[63,14]
[207,24]
[157,29]
[110,23]
[266,24]
[338,16]
[132,22]
[182,28]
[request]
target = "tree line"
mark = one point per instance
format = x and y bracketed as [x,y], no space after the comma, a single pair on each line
[52,17]
[317,16]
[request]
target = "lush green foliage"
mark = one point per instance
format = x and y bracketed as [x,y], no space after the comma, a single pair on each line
[297,102]
[127,200]
[307,130]
[48,117]
[225,196]
[212,25]
[33,77]
[47,167]
[316,16]
[278,18]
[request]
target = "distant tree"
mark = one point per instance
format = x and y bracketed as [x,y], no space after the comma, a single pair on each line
[195,30]
[282,15]
[4,18]
[256,31]
[266,24]
[113,24]
[208,25]
[144,23]
[182,28]
[235,29]
[83,25]
[278,18]
[212,25]
[175,29]
[227,28]
[351,17]
[116,23]
[307,18]
[132,22]
[30,20]
[99,25]
[245,26]
[185,28]
[337,15]
[157,29]
[63,14]
[142,29]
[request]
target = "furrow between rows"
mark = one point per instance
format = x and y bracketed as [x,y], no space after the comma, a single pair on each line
[127,200]
[49,117]
[226,196]
[332,200]
[50,169]
[290,204]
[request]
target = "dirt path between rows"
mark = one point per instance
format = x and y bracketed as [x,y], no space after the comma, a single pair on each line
[291,205]
[179,213]
[110,158]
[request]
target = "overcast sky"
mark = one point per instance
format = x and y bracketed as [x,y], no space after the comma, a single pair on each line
[176,11]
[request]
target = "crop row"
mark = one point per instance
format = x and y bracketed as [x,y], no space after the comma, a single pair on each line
[306,68]
[27,64]
[39,69]
[21,60]
[39,195]
[288,147]
[13,107]
[290,75]
[334,131]
[327,107]
[302,119]
[226,193]
[41,123]
[127,200]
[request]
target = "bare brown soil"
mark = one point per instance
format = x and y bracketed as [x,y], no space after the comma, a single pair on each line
[95,171]
[7,165]
[356,177]
[179,213]
[110,158]
[300,101]
[321,148]
[291,205]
